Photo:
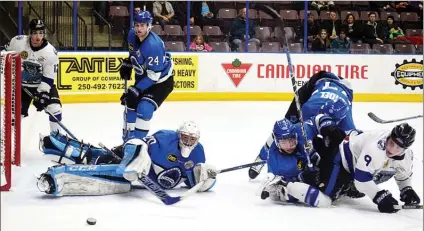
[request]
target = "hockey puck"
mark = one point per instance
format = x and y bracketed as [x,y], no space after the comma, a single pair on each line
[91,221]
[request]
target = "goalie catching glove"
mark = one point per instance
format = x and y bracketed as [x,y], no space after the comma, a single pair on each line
[206,173]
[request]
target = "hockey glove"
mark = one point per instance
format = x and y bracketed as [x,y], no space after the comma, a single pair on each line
[409,196]
[385,202]
[334,134]
[310,177]
[126,69]
[133,97]
[206,173]
[41,100]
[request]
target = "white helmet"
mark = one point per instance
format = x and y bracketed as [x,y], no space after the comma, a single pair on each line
[189,135]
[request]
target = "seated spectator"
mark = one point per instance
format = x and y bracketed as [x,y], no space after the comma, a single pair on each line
[372,31]
[321,42]
[352,28]
[341,44]
[382,6]
[322,5]
[164,13]
[238,31]
[332,26]
[392,32]
[199,44]
[203,14]
[313,28]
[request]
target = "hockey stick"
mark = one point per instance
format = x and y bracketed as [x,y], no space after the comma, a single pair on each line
[412,206]
[51,115]
[274,14]
[240,167]
[156,189]
[381,121]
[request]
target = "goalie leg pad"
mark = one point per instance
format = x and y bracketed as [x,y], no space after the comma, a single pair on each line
[93,180]
[63,146]
[308,195]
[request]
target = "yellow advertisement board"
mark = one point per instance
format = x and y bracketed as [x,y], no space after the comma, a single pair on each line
[98,72]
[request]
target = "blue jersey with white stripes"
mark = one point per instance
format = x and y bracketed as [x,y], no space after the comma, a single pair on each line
[151,63]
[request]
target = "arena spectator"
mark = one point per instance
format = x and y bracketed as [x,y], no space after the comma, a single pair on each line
[392,33]
[203,14]
[352,28]
[199,44]
[332,26]
[341,44]
[322,5]
[238,31]
[372,30]
[380,6]
[164,13]
[313,28]
[321,42]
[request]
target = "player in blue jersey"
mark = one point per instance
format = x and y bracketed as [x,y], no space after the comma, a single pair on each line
[324,123]
[154,79]
[168,157]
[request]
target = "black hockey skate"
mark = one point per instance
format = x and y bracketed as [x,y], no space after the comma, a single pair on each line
[352,192]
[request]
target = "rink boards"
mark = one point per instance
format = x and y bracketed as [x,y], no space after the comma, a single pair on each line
[94,76]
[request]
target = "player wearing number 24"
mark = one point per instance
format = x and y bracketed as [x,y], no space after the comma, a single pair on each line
[167,157]
[154,79]
[39,70]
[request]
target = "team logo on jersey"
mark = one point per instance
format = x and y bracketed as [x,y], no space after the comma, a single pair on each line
[19,37]
[130,47]
[236,70]
[189,164]
[41,59]
[24,55]
[171,158]
[300,165]
[409,74]
[382,144]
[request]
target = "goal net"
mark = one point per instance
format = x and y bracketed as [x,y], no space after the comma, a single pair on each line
[10,83]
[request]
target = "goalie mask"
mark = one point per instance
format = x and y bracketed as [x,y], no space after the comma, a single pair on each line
[188,135]
[285,137]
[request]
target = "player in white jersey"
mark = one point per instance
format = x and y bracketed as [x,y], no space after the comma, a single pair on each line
[39,69]
[367,159]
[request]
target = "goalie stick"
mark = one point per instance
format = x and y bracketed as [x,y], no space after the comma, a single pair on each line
[381,121]
[164,196]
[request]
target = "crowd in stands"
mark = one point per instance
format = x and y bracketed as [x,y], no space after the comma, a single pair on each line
[332,26]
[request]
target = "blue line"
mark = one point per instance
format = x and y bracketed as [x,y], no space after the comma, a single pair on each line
[74,17]
[19,18]
[188,25]
[305,29]
[246,41]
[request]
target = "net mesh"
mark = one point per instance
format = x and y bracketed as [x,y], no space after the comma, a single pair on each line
[10,72]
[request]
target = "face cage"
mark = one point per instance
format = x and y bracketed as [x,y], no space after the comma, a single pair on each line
[188,140]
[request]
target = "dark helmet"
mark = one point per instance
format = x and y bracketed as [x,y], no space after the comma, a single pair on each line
[403,135]
[36,24]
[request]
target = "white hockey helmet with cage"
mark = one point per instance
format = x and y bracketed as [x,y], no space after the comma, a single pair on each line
[189,135]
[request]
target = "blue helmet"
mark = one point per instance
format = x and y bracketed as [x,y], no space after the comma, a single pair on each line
[336,110]
[283,129]
[143,17]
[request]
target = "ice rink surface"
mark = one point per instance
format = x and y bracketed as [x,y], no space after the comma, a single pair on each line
[232,134]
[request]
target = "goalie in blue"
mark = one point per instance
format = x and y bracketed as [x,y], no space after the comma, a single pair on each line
[154,79]
[167,157]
